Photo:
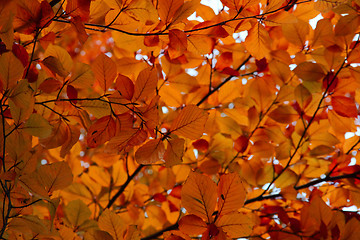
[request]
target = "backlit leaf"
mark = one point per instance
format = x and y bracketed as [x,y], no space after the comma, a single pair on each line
[174,152]
[113,224]
[77,212]
[198,196]
[11,70]
[258,41]
[309,71]
[150,152]
[145,84]
[236,225]
[105,71]
[37,126]
[231,193]
[344,106]
[190,122]
[284,114]
[192,225]
[101,131]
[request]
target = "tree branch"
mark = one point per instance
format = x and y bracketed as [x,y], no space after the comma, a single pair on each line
[123,187]
[221,84]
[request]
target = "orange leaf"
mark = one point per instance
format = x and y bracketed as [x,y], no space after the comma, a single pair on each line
[168,8]
[101,131]
[236,225]
[145,84]
[192,225]
[309,71]
[303,96]
[258,41]
[198,196]
[150,152]
[79,8]
[190,122]
[174,152]
[241,144]
[50,85]
[231,193]
[284,114]
[344,106]
[55,66]
[104,70]
[11,70]
[178,43]
[125,86]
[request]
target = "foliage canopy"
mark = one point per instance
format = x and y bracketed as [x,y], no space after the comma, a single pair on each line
[123,119]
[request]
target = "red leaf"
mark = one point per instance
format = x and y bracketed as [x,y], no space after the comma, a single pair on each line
[241,144]
[151,41]
[261,65]
[201,145]
[50,85]
[72,93]
[330,82]
[159,197]
[21,53]
[344,106]
[230,71]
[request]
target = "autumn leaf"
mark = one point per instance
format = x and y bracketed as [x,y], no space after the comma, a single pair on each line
[37,126]
[77,212]
[150,152]
[101,131]
[145,84]
[236,224]
[11,70]
[198,196]
[231,194]
[192,225]
[112,223]
[104,70]
[344,106]
[190,122]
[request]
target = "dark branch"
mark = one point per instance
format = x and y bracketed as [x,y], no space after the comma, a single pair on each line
[123,187]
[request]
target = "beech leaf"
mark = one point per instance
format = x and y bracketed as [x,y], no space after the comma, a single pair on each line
[190,122]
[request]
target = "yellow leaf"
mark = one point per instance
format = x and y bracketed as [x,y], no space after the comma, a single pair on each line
[236,225]
[303,96]
[97,108]
[258,41]
[190,122]
[288,177]
[198,196]
[37,126]
[105,71]
[113,224]
[231,193]
[150,152]
[143,10]
[82,76]
[61,54]
[77,212]
[145,84]
[11,70]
